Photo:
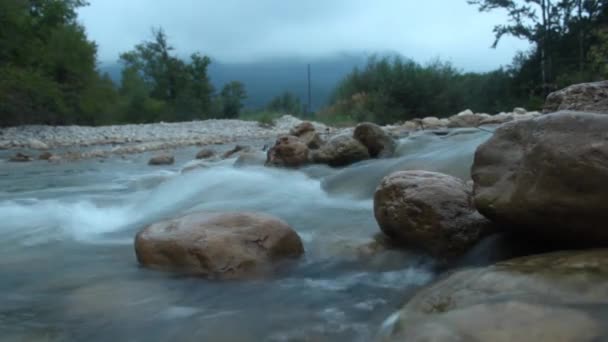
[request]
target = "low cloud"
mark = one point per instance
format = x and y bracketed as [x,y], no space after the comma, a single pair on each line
[245,31]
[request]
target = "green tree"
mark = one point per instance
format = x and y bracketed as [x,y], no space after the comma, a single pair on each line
[184,88]
[232,96]
[286,103]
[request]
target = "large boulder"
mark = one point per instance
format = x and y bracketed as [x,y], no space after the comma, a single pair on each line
[162,159]
[547,178]
[341,150]
[430,211]
[379,144]
[432,122]
[218,245]
[306,132]
[587,97]
[542,298]
[288,151]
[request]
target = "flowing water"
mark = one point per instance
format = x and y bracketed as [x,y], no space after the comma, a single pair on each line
[68,270]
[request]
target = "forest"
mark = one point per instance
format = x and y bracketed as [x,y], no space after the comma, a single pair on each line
[49,72]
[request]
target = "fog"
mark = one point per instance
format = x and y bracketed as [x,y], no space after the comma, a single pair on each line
[237,31]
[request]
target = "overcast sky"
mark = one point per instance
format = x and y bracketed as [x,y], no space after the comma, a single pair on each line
[249,30]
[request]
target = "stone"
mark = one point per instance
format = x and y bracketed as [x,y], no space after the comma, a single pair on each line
[497,119]
[36,144]
[547,178]
[45,156]
[232,245]
[306,132]
[431,122]
[429,211]
[236,149]
[163,159]
[288,151]
[341,150]
[205,153]
[379,144]
[20,158]
[519,111]
[587,97]
[545,298]
[466,119]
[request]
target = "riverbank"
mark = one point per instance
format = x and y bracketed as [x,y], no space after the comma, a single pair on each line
[83,142]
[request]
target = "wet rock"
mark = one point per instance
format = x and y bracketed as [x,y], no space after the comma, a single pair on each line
[431,122]
[250,159]
[587,97]
[467,119]
[519,111]
[546,178]
[163,159]
[497,119]
[236,149]
[45,156]
[430,211]
[341,150]
[524,299]
[288,151]
[194,165]
[218,245]
[20,158]
[379,144]
[205,153]
[307,133]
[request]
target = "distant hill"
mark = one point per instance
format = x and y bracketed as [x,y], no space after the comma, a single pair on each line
[267,79]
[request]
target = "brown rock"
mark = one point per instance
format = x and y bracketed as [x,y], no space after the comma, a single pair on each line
[306,132]
[45,156]
[524,299]
[587,97]
[547,178]
[237,149]
[163,159]
[302,128]
[205,154]
[341,150]
[218,245]
[430,211]
[20,158]
[378,142]
[288,151]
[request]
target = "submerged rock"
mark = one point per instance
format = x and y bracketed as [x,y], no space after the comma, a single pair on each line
[547,178]
[236,149]
[379,144]
[288,151]
[20,158]
[587,97]
[341,150]
[430,211]
[218,245]
[542,298]
[205,153]
[256,158]
[163,159]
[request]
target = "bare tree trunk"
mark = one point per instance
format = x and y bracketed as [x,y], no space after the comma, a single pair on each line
[543,41]
[581,37]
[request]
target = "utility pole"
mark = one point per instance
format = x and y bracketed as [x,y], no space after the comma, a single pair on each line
[309,94]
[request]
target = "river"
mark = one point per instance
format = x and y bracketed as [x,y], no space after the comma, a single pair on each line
[68,270]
